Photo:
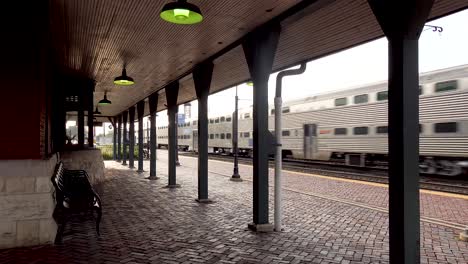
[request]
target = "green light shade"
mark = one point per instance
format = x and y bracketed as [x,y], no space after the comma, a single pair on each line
[105,101]
[249,83]
[181,12]
[124,79]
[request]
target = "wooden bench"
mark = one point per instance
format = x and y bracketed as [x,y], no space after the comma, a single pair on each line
[73,194]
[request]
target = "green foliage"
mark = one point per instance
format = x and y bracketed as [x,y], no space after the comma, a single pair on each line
[107,151]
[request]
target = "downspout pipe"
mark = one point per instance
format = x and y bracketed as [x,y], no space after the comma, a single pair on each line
[279,147]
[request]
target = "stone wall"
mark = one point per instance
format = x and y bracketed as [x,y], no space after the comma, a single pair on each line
[89,160]
[26,202]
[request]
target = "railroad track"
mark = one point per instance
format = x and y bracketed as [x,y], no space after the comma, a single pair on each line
[372,174]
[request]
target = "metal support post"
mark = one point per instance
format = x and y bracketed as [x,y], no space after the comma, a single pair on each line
[81,130]
[114,141]
[172,92]
[119,139]
[177,163]
[202,78]
[402,23]
[131,136]
[153,106]
[260,48]
[90,123]
[125,138]
[235,140]
[140,112]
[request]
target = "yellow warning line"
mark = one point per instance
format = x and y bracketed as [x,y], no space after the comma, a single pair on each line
[375,184]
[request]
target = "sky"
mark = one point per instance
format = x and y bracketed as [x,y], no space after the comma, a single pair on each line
[364,64]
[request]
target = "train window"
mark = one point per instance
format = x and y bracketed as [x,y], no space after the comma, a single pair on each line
[211,121]
[188,136]
[285,110]
[341,101]
[341,131]
[361,130]
[216,135]
[381,96]
[296,133]
[194,122]
[217,120]
[446,86]
[211,136]
[272,111]
[228,135]
[246,134]
[361,99]
[381,130]
[247,115]
[449,127]
[222,119]
[420,90]
[228,119]
[223,136]
[285,133]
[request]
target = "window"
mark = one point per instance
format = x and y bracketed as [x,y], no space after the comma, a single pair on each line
[216,135]
[285,110]
[247,115]
[361,99]
[217,120]
[211,136]
[228,135]
[446,86]
[246,134]
[421,128]
[222,136]
[211,121]
[341,131]
[449,127]
[381,130]
[420,90]
[381,96]
[272,111]
[285,133]
[228,119]
[223,119]
[341,101]
[361,130]
[194,122]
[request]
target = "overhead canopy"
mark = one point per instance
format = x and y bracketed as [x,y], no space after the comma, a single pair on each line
[98,38]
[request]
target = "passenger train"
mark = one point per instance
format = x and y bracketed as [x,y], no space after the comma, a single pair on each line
[350,126]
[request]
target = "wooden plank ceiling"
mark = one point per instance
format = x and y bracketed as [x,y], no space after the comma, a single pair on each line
[97,38]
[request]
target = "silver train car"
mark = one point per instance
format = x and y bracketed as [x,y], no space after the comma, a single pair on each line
[351,126]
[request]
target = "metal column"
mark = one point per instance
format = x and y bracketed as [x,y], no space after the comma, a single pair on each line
[119,139]
[140,112]
[153,106]
[80,123]
[172,91]
[125,138]
[202,79]
[131,137]
[402,23]
[259,48]
[90,125]
[114,145]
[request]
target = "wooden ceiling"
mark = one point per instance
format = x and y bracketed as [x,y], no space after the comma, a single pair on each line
[97,38]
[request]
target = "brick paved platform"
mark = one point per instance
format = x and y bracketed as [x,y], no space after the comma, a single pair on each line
[144,222]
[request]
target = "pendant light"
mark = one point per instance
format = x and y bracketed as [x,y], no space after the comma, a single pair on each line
[124,79]
[105,101]
[249,83]
[97,112]
[181,12]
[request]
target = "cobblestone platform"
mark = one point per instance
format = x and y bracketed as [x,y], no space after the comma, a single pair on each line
[144,222]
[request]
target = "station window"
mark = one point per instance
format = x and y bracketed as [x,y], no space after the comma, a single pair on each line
[285,133]
[381,130]
[449,127]
[247,115]
[341,101]
[361,99]
[361,130]
[228,135]
[223,136]
[217,120]
[228,119]
[341,131]
[223,119]
[285,110]
[246,134]
[382,96]
[446,86]
[216,135]
[272,111]
[211,136]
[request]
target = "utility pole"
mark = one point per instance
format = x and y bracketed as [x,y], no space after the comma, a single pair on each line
[235,134]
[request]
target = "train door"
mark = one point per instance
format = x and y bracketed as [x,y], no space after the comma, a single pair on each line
[195,140]
[310,140]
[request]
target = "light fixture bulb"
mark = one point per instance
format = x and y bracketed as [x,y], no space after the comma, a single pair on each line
[181,14]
